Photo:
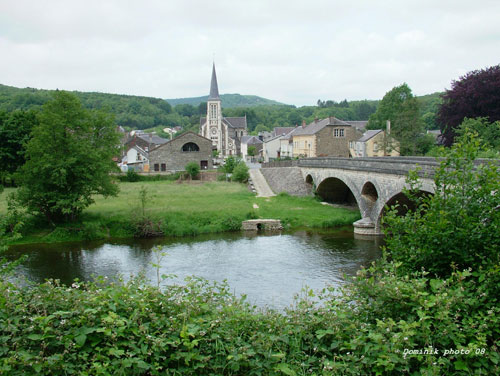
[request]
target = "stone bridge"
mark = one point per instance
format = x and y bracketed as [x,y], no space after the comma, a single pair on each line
[368,183]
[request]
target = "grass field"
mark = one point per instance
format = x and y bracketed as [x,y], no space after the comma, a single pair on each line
[181,209]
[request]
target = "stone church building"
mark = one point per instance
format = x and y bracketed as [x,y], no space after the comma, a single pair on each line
[225,132]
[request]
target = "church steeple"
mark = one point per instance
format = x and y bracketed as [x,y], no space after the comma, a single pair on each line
[214,88]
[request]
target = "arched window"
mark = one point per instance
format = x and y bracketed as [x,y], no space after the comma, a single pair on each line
[190,146]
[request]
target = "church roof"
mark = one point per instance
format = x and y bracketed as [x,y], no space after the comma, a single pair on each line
[214,88]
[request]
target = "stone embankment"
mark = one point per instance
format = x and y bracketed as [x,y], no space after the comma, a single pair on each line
[286,179]
[259,183]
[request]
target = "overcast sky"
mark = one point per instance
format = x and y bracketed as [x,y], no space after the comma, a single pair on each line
[291,51]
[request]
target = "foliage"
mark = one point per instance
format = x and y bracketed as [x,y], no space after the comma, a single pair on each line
[132,176]
[201,328]
[229,164]
[68,160]
[458,227]
[158,177]
[489,133]
[240,173]
[193,169]
[402,109]
[477,94]
[252,151]
[15,132]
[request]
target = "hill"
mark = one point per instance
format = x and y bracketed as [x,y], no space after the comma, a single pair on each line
[228,100]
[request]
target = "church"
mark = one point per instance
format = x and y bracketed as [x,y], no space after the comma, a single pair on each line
[225,132]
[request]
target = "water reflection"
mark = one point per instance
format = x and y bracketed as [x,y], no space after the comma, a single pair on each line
[270,270]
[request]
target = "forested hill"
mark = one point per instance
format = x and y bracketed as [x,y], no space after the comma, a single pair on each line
[228,101]
[135,112]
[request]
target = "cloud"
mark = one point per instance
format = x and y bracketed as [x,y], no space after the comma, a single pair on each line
[290,51]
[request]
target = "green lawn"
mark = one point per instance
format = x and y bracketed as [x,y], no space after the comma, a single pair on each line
[181,209]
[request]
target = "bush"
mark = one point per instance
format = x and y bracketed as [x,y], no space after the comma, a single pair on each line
[193,169]
[240,173]
[132,176]
[456,227]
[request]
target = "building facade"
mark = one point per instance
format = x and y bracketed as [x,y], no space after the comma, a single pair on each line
[178,152]
[225,132]
[328,137]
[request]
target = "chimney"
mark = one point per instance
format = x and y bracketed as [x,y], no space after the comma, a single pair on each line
[388,127]
[303,123]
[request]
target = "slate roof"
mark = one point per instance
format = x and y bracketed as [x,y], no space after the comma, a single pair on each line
[214,88]
[154,140]
[250,140]
[278,131]
[290,134]
[358,124]
[369,134]
[315,127]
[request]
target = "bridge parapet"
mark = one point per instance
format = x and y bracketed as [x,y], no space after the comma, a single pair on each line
[385,165]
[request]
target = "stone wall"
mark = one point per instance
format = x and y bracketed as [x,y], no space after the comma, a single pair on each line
[286,179]
[174,159]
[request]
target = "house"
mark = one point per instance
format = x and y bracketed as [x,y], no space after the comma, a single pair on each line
[326,137]
[374,143]
[175,154]
[248,141]
[146,141]
[286,144]
[272,147]
[136,158]
[225,132]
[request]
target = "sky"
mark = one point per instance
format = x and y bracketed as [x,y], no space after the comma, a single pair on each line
[295,52]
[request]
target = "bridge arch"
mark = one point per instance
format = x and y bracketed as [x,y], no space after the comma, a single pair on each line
[404,205]
[369,193]
[337,191]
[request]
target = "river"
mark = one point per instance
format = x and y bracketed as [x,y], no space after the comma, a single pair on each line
[270,269]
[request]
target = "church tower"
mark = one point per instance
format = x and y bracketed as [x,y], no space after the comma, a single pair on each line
[214,114]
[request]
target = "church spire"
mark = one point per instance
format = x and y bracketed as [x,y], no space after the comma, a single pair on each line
[214,88]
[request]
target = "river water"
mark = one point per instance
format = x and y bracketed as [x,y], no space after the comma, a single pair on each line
[269,269]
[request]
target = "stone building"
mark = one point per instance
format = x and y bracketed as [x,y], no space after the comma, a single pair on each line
[327,137]
[175,154]
[225,132]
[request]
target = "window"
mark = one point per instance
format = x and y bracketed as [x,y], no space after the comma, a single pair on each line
[157,167]
[375,147]
[213,111]
[163,167]
[338,132]
[190,146]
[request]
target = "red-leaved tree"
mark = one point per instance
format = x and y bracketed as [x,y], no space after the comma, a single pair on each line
[477,94]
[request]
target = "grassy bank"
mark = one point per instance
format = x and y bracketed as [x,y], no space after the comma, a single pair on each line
[183,209]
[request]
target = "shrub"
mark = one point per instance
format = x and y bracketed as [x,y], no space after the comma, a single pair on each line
[459,225]
[132,176]
[193,169]
[240,173]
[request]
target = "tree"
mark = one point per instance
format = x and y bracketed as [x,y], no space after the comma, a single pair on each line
[193,169]
[456,227]
[402,109]
[252,150]
[15,132]
[489,134]
[68,159]
[477,94]
[240,173]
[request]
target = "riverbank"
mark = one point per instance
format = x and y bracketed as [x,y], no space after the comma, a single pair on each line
[182,209]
